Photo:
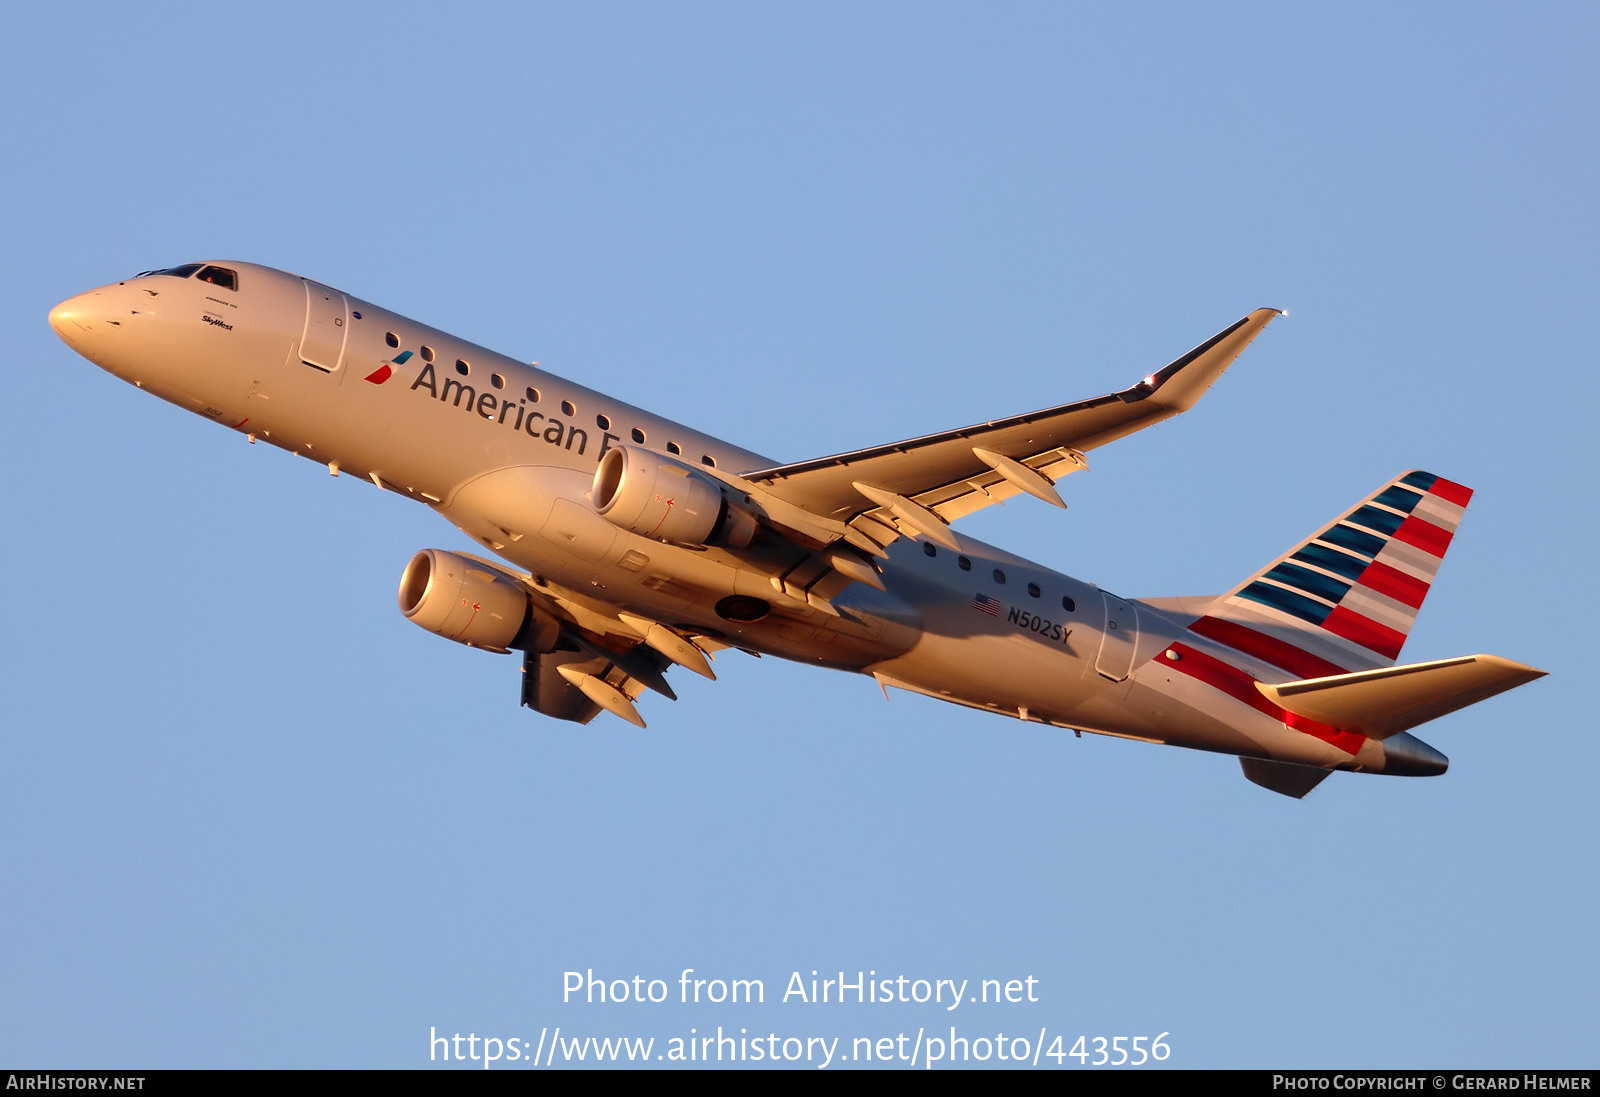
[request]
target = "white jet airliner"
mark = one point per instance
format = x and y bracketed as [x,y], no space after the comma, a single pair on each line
[636,543]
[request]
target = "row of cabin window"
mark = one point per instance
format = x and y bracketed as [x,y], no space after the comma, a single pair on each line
[567,406]
[965,564]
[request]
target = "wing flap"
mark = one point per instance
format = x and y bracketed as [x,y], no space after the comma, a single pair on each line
[1381,703]
[578,678]
[584,656]
[546,690]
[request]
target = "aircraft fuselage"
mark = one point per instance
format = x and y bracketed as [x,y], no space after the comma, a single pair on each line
[508,452]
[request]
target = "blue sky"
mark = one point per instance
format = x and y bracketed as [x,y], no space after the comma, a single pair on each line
[254,818]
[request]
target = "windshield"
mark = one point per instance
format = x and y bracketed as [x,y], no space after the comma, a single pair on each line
[177,272]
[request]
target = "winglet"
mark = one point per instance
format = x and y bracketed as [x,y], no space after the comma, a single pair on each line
[1182,382]
[955,472]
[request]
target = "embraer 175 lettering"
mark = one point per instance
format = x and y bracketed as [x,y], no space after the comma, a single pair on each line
[636,544]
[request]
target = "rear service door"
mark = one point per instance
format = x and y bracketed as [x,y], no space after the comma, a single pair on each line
[1119,640]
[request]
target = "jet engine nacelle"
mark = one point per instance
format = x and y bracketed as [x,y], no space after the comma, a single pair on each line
[462,600]
[666,500]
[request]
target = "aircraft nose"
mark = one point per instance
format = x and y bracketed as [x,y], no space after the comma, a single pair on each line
[73,317]
[61,316]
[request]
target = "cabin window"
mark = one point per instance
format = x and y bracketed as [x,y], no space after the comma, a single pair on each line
[220,276]
[963,563]
[533,395]
[638,435]
[928,549]
[427,354]
[462,368]
[707,459]
[999,576]
[1068,604]
[497,381]
[391,338]
[603,422]
[672,447]
[568,408]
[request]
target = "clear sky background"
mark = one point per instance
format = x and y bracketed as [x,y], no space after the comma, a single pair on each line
[252,817]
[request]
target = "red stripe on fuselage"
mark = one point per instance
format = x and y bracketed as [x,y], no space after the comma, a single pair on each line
[1451,492]
[1269,649]
[1424,535]
[1394,583]
[1241,687]
[1365,631]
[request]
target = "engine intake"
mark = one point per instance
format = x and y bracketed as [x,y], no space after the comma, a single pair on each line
[460,599]
[666,500]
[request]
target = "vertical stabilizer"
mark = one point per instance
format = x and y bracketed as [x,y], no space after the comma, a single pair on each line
[1345,598]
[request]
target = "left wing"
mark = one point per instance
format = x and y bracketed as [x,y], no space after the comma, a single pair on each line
[922,484]
[584,655]
[575,680]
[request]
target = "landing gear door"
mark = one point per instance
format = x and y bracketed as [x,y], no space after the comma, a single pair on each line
[1119,640]
[327,327]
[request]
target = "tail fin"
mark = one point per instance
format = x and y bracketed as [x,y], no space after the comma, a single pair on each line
[1344,599]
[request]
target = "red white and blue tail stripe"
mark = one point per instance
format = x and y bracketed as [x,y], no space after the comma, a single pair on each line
[1345,598]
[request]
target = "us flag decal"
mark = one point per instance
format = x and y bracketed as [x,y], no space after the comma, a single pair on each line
[984,604]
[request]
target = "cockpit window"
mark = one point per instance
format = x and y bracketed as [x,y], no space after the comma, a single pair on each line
[177,272]
[220,276]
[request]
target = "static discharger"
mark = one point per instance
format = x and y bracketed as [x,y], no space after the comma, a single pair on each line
[1032,481]
[817,601]
[852,566]
[915,515]
[602,693]
[634,666]
[670,644]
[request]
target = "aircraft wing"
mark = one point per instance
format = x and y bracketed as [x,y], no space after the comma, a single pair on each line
[956,472]
[576,680]
[583,655]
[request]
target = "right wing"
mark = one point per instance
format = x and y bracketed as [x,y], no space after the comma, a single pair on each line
[954,473]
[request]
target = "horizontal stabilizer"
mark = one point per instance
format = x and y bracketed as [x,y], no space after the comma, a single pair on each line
[1380,703]
[1285,777]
